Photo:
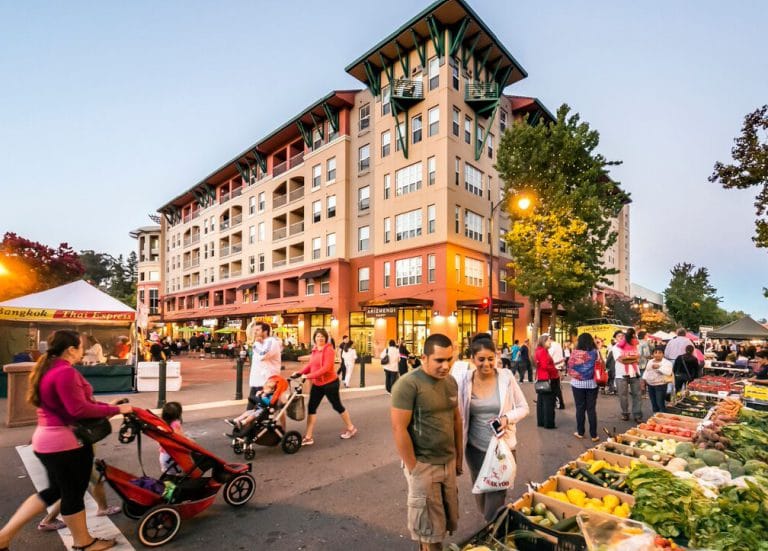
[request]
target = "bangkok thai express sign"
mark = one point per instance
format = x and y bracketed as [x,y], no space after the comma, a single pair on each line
[51,314]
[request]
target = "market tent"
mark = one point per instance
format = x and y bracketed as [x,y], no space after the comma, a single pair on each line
[745,328]
[662,336]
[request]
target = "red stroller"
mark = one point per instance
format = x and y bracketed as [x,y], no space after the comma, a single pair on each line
[160,505]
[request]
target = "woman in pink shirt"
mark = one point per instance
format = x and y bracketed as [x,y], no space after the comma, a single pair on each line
[325,383]
[62,396]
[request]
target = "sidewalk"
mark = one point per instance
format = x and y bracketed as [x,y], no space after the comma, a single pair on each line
[206,384]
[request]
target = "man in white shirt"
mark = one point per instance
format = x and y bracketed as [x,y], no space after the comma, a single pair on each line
[676,347]
[556,353]
[265,359]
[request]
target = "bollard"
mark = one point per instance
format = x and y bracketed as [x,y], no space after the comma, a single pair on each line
[161,385]
[239,379]
[361,359]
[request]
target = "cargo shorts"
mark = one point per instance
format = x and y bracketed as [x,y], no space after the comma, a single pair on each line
[433,501]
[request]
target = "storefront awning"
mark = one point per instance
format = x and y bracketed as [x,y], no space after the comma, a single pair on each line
[245,286]
[399,302]
[497,303]
[309,310]
[203,295]
[315,274]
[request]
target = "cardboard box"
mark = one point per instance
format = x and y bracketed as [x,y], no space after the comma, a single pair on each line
[657,435]
[687,418]
[674,422]
[614,458]
[637,453]
[563,484]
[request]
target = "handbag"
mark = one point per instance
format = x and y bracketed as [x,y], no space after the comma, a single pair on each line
[90,431]
[542,387]
[601,373]
[498,470]
[385,358]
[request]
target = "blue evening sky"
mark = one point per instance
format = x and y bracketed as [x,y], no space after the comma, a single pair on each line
[108,110]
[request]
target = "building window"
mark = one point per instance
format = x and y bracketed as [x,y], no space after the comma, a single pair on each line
[489,141]
[332,133]
[457,267]
[473,180]
[310,287]
[262,232]
[387,186]
[473,225]
[205,226]
[454,74]
[316,248]
[154,301]
[473,272]
[317,139]
[330,169]
[387,229]
[401,135]
[386,93]
[387,274]
[330,242]
[262,201]
[408,271]
[386,142]
[365,116]
[317,176]
[457,170]
[416,129]
[331,206]
[213,223]
[364,198]
[502,240]
[363,238]
[431,214]
[431,268]
[325,285]
[502,281]
[408,225]
[252,264]
[252,205]
[431,170]
[457,219]
[213,253]
[480,133]
[261,262]
[502,120]
[363,279]
[468,129]
[408,179]
[364,158]
[317,209]
[433,116]
[455,122]
[434,73]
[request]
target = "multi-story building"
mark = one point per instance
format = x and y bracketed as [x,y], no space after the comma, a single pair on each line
[369,212]
[149,273]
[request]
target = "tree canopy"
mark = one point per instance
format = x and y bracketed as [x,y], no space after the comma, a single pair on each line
[691,299]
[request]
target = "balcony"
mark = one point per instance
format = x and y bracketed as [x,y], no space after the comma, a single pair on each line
[189,264]
[224,251]
[408,90]
[279,233]
[278,263]
[298,227]
[481,91]
[279,200]
[224,225]
[224,197]
[296,160]
[297,259]
[189,241]
[236,248]
[235,272]
[296,194]
[236,221]
[279,168]
[236,192]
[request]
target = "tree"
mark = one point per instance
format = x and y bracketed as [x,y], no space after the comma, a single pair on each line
[691,299]
[123,279]
[34,267]
[98,268]
[750,167]
[558,163]
[579,312]
[653,320]
[622,309]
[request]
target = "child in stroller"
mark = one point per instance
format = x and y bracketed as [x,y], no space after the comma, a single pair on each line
[267,399]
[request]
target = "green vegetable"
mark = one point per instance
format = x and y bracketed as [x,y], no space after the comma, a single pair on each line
[540,509]
[526,511]
[552,518]
[546,523]
[754,467]
[713,457]
[684,449]
[747,441]
[694,464]
[592,479]
[565,525]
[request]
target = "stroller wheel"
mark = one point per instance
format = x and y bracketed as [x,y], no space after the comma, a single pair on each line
[291,442]
[133,511]
[159,526]
[249,454]
[237,447]
[239,490]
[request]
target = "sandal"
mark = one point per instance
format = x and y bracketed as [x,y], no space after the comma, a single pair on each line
[579,436]
[307,441]
[596,439]
[346,435]
[109,511]
[104,544]
[55,524]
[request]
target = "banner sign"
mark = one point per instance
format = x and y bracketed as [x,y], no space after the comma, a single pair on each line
[380,311]
[51,314]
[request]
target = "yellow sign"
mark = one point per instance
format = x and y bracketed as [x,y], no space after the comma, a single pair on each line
[603,331]
[51,314]
[757,392]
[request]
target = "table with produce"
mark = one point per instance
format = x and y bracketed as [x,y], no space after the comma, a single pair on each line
[677,481]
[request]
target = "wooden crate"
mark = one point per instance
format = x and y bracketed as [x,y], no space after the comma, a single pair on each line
[637,453]
[657,435]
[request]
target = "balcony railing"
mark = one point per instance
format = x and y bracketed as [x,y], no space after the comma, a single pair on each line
[298,227]
[223,275]
[235,273]
[236,248]
[236,192]
[224,197]
[236,220]
[475,91]
[189,264]
[297,159]
[224,251]
[189,241]
[278,263]
[279,233]
[279,200]
[403,88]
[224,225]
[298,258]
[279,168]
[296,194]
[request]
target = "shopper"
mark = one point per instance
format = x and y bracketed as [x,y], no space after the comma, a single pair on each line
[628,382]
[348,359]
[487,393]
[684,368]
[581,368]
[657,376]
[524,361]
[265,359]
[62,396]
[427,429]
[390,364]
[325,384]
[545,371]
[556,352]
[402,361]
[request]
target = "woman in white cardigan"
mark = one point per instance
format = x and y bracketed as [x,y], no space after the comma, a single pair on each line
[487,392]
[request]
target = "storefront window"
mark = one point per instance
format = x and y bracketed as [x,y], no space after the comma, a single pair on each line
[413,328]
[507,331]
[467,326]
[361,332]
[317,321]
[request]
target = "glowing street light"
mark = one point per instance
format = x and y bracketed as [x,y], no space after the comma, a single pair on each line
[3,270]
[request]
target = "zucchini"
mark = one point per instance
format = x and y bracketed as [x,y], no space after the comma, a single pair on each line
[552,518]
[565,525]
[592,479]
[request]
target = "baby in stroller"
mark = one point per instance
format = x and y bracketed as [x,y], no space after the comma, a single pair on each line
[267,400]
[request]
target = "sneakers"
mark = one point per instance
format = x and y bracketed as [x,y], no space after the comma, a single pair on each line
[579,436]
[231,422]
[347,434]
[55,524]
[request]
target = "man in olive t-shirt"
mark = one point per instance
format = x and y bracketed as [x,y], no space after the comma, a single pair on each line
[427,429]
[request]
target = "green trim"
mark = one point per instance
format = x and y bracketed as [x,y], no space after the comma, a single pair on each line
[333,116]
[245,174]
[496,69]
[404,61]
[485,59]
[458,36]
[467,55]
[319,126]
[505,76]
[387,68]
[261,160]
[437,33]
[403,140]
[420,46]
[534,117]
[480,147]
[304,134]
[374,79]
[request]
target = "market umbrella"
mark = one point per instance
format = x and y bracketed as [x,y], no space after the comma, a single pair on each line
[227,330]
[691,336]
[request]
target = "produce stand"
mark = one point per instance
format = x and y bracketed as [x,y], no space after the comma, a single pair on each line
[699,479]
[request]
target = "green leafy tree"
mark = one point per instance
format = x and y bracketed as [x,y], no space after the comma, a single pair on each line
[750,167]
[559,164]
[653,320]
[123,279]
[622,309]
[579,312]
[691,299]
[98,268]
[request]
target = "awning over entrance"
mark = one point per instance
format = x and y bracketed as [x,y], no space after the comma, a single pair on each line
[202,295]
[315,274]
[245,286]
[309,310]
[399,302]
[497,303]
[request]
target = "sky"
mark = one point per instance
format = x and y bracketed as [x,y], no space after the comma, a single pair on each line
[108,110]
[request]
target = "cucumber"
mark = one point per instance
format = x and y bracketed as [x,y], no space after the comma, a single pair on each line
[526,511]
[540,509]
[535,519]
[592,479]
[552,518]
[565,525]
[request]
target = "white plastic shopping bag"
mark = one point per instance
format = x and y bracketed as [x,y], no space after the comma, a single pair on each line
[498,470]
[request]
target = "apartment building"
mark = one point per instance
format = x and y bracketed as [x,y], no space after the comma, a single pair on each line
[369,212]
[148,287]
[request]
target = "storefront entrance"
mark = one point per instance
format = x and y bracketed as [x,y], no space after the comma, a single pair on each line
[361,332]
[467,327]
[413,328]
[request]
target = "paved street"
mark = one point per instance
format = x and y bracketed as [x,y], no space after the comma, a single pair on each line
[334,495]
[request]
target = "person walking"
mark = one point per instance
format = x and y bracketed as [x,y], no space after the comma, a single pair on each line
[325,384]
[427,430]
[348,359]
[487,394]
[506,356]
[628,382]
[402,361]
[676,347]
[684,368]
[342,371]
[62,396]
[556,352]
[581,368]
[545,371]
[265,359]
[644,351]
[524,361]
[657,376]
[390,357]
[514,357]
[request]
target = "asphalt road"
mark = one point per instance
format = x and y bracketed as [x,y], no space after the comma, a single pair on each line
[335,495]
